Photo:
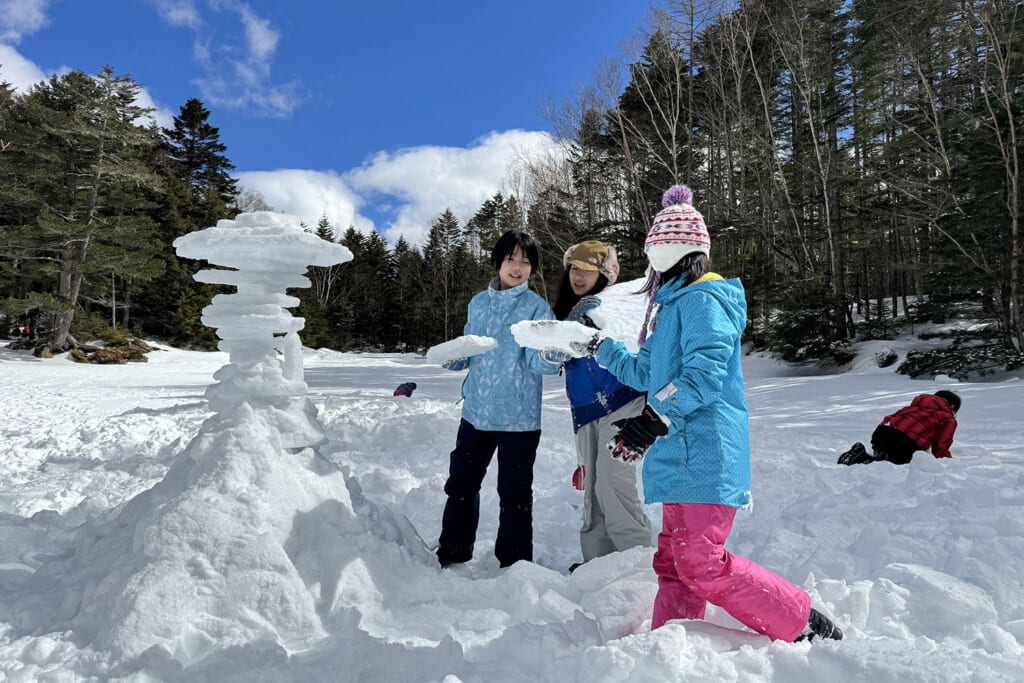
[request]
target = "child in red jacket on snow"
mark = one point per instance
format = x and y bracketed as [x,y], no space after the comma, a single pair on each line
[928,422]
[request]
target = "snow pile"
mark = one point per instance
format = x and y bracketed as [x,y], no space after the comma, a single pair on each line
[621,313]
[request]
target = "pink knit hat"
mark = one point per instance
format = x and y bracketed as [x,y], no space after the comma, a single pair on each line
[678,230]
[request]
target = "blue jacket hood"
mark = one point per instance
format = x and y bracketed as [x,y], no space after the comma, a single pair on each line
[728,293]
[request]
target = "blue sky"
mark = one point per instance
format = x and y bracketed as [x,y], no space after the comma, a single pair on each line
[381,114]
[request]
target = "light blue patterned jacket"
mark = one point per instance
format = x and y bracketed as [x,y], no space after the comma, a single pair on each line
[690,367]
[503,389]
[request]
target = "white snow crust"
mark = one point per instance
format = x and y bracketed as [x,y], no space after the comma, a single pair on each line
[146,537]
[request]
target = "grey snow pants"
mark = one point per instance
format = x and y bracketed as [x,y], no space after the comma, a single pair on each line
[613,517]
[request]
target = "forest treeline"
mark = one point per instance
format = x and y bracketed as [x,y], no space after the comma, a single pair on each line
[851,158]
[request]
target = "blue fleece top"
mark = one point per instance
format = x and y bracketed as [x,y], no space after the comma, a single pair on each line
[503,389]
[690,369]
[593,391]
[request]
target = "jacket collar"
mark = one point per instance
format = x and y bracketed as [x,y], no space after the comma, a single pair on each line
[670,291]
[494,288]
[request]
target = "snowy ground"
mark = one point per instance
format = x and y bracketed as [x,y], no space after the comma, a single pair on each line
[922,566]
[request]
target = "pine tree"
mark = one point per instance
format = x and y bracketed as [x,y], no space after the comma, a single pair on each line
[441,258]
[199,192]
[6,102]
[74,187]
[407,315]
[318,303]
[195,148]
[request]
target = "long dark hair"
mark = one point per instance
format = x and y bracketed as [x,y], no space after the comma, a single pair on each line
[567,298]
[693,267]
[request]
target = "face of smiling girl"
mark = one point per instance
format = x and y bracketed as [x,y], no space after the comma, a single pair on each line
[515,269]
[582,281]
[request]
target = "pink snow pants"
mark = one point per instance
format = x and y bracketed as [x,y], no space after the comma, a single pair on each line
[694,567]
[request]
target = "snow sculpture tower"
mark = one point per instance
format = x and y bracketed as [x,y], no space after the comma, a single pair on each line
[269,253]
[245,541]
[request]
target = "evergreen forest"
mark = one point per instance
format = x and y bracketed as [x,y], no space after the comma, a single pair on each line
[858,164]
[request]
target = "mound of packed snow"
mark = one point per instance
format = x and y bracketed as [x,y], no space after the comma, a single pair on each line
[239,543]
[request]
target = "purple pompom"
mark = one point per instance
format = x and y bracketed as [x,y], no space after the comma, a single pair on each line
[677,194]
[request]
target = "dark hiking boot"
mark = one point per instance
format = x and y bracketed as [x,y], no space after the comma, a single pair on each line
[819,626]
[446,560]
[855,455]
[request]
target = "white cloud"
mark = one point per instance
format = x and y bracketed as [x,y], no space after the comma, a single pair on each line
[20,72]
[179,13]
[235,74]
[309,195]
[428,180]
[163,117]
[261,36]
[415,184]
[20,18]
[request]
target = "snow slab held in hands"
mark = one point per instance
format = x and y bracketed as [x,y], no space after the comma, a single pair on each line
[551,334]
[461,347]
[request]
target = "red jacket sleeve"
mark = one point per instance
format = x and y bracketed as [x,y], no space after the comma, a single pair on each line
[944,438]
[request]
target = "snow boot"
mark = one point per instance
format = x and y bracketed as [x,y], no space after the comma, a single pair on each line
[856,455]
[819,626]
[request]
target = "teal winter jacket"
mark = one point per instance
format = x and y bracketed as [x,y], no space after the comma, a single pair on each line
[503,389]
[690,369]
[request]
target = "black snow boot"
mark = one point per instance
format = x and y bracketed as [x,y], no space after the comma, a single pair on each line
[819,626]
[856,455]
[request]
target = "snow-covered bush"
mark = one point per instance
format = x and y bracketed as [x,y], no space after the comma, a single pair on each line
[806,335]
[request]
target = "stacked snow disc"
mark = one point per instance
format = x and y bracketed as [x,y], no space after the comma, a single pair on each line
[269,253]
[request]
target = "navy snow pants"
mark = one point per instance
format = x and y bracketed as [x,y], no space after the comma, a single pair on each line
[474,449]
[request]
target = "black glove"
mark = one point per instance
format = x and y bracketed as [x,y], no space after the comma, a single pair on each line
[589,347]
[583,306]
[636,435]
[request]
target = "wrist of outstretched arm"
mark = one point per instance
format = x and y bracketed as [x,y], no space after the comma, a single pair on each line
[604,350]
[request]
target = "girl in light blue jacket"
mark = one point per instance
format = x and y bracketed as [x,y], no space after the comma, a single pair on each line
[501,411]
[694,432]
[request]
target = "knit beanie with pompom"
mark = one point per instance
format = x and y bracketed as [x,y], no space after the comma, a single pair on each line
[678,230]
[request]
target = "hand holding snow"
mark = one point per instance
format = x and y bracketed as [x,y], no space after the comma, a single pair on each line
[461,347]
[552,334]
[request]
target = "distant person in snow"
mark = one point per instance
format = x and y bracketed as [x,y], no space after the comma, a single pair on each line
[613,516]
[501,410]
[695,433]
[927,423]
[405,389]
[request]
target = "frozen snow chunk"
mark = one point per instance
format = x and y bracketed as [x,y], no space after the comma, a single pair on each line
[461,347]
[551,334]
